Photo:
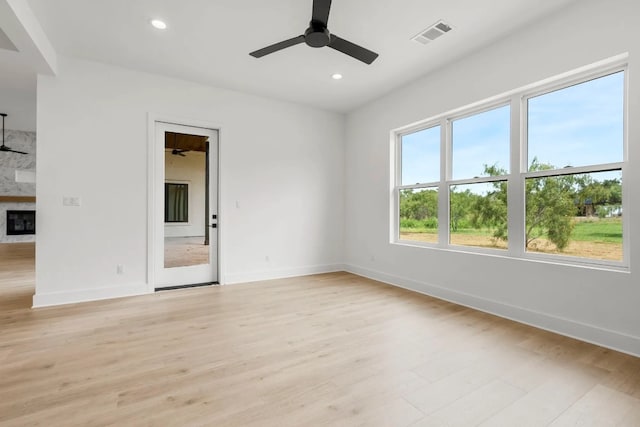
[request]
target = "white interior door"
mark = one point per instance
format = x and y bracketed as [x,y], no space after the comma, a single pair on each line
[186,205]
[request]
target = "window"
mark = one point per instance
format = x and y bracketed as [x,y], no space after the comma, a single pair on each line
[576,214]
[481,144]
[573,191]
[418,194]
[561,157]
[478,205]
[578,125]
[176,202]
[419,214]
[478,215]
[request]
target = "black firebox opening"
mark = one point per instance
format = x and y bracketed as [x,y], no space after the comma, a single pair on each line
[21,222]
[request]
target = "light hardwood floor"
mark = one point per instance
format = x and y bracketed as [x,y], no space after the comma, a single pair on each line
[17,276]
[332,349]
[185,251]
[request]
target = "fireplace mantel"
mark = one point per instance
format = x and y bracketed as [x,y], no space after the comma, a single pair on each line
[17,199]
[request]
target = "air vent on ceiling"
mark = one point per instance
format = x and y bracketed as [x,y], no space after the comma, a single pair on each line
[432,32]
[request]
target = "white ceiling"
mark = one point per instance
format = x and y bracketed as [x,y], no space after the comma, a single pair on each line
[18,96]
[24,52]
[5,42]
[208,41]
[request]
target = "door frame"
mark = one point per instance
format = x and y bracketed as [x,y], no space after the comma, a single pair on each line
[153,170]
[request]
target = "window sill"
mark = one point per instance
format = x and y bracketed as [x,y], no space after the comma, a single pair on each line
[542,258]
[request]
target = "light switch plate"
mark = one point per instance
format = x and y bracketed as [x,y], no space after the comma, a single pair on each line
[26,176]
[71,201]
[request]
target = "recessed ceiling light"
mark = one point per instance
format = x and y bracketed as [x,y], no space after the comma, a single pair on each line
[159,24]
[336,76]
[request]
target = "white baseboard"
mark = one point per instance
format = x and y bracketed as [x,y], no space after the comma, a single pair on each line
[230,279]
[86,295]
[589,333]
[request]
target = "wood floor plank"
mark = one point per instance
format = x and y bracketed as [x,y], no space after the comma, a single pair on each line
[475,407]
[558,390]
[601,406]
[333,349]
[441,393]
[396,412]
[631,418]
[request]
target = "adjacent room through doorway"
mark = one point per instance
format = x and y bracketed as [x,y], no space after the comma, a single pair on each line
[17,213]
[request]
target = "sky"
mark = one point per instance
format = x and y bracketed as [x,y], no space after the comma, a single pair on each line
[421,156]
[479,140]
[576,126]
[580,125]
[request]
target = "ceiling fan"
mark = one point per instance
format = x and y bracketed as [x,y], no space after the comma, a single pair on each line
[318,35]
[177,151]
[4,147]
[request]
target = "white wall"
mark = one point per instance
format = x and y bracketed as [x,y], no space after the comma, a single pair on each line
[595,305]
[18,99]
[281,178]
[190,169]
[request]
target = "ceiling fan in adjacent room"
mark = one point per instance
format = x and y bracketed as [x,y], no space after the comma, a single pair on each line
[318,35]
[3,147]
[178,151]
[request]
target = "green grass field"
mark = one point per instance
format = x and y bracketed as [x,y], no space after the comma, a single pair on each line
[591,238]
[608,230]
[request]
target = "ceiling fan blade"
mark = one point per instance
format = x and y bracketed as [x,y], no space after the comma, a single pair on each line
[277,46]
[321,10]
[9,150]
[353,50]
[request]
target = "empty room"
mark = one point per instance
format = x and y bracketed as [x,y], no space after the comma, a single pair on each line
[309,213]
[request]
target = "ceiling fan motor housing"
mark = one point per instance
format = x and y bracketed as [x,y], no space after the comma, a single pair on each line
[317,35]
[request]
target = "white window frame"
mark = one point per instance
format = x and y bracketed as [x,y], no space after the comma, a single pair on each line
[594,168]
[518,170]
[395,236]
[501,102]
